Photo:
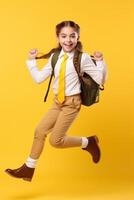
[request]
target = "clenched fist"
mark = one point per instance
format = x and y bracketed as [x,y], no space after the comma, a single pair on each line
[32,53]
[98,56]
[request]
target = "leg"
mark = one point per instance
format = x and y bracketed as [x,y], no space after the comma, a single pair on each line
[43,128]
[59,139]
[70,110]
[25,171]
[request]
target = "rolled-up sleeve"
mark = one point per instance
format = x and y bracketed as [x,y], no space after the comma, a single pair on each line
[39,75]
[98,72]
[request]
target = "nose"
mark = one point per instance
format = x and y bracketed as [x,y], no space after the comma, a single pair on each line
[68,39]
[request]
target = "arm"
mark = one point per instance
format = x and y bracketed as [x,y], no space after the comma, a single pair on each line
[39,75]
[97,72]
[103,71]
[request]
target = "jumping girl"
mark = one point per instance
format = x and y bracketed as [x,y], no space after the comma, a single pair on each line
[67,100]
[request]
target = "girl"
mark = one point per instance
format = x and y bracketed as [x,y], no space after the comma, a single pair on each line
[67,100]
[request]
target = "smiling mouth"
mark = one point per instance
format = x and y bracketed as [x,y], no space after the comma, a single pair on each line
[68,45]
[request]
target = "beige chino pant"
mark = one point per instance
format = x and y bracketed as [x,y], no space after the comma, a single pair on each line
[57,120]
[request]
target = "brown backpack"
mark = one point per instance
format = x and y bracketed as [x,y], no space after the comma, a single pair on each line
[89,88]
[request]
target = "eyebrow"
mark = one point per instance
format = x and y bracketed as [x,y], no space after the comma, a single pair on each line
[66,34]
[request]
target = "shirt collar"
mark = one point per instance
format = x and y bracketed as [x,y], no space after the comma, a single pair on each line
[70,54]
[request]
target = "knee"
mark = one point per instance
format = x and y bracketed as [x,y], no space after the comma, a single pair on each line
[56,142]
[39,134]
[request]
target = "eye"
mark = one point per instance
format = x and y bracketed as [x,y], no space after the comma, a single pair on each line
[63,36]
[73,36]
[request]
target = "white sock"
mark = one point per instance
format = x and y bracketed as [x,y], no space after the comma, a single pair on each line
[30,162]
[84,142]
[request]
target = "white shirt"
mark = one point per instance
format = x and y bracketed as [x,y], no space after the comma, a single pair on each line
[72,83]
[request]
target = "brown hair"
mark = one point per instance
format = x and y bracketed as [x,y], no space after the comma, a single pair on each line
[78,47]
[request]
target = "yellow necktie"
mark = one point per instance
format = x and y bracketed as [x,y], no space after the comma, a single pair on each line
[61,85]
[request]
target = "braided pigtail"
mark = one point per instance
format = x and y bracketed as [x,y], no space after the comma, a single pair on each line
[78,49]
[47,55]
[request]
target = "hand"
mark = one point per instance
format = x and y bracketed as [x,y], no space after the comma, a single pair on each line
[32,53]
[98,56]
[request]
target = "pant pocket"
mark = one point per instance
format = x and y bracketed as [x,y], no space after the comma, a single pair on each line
[76,102]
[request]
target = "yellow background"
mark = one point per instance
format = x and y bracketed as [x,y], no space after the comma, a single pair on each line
[67,174]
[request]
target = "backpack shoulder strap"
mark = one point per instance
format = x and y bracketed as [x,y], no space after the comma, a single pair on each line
[53,63]
[79,62]
[54,60]
[77,66]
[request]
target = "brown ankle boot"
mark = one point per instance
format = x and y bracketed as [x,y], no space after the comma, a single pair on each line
[93,148]
[23,172]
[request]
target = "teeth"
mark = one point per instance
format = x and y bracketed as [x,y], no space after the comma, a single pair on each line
[68,45]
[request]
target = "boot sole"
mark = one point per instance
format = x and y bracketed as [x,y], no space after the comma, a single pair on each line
[27,179]
[97,141]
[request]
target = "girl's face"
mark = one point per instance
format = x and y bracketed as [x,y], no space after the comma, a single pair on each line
[68,38]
